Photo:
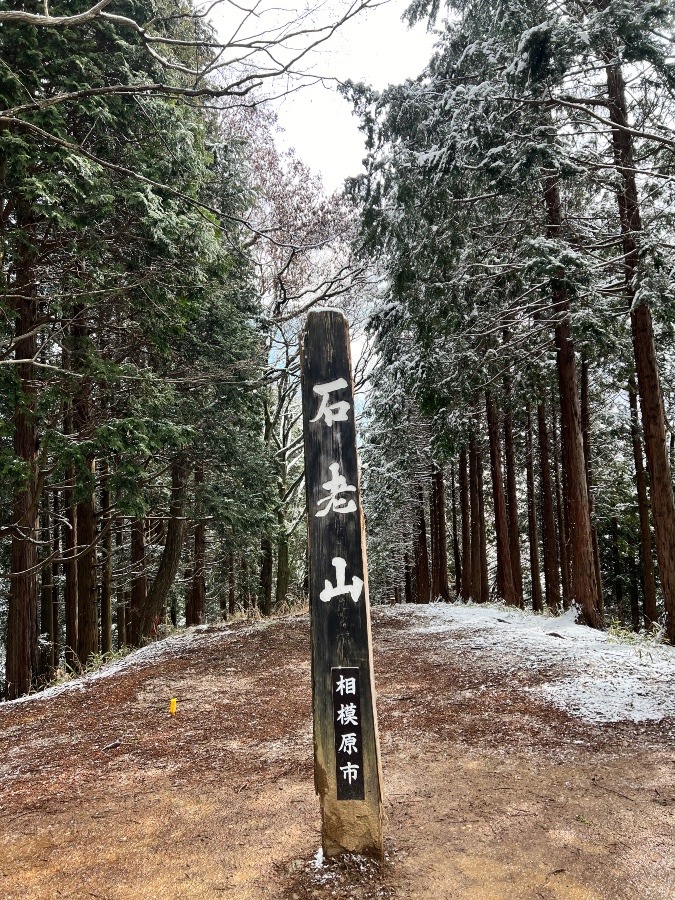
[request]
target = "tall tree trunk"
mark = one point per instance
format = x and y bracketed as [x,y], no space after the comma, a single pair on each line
[87,605]
[408,579]
[139,583]
[439,544]
[634,595]
[561,508]
[56,550]
[120,597]
[482,542]
[107,525]
[476,590]
[512,508]
[648,380]
[147,606]
[266,563]
[70,572]
[455,537]
[586,433]
[46,642]
[467,570]
[231,585]
[21,659]
[505,587]
[583,580]
[283,571]
[421,553]
[616,565]
[245,588]
[551,579]
[533,535]
[649,583]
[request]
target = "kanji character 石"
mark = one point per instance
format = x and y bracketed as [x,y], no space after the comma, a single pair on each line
[332,412]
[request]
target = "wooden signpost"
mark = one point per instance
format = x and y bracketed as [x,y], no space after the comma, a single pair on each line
[347,772]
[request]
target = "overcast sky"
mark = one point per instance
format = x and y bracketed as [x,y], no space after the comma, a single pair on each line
[376,48]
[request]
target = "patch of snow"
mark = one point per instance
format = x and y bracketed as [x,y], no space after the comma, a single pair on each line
[598,678]
[317,861]
[191,638]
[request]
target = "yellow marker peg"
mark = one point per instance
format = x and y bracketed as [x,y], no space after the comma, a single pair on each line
[172,706]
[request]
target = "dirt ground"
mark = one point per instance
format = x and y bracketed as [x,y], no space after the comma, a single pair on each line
[489,793]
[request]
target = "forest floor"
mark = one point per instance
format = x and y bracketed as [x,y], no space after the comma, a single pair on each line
[523,757]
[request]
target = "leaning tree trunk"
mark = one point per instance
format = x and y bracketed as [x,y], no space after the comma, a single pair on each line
[648,380]
[146,607]
[533,536]
[651,613]
[505,587]
[583,578]
[21,659]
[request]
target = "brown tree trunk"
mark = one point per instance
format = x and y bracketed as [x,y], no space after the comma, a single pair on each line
[439,542]
[512,508]
[648,380]
[231,585]
[561,509]
[551,579]
[482,542]
[46,641]
[583,578]
[56,550]
[586,434]
[120,593]
[139,582]
[420,552]
[616,565]
[283,571]
[147,604]
[467,570]
[266,563]
[474,502]
[408,580]
[505,587]
[649,583]
[70,572]
[533,535]
[107,524]
[455,536]
[21,659]
[245,592]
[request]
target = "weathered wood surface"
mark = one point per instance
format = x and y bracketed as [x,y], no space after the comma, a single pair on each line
[338,589]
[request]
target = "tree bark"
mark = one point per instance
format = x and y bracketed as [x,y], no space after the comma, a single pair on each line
[56,549]
[476,568]
[283,571]
[408,580]
[561,508]
[586,434]
[107,523]
[482,542]
[147,606]
[583,578]
[120,598]
[455,537]
[420,552]
[231,586]
[551,579]
[648,580]
[266,575]
[46,642]
[648,379]
[505,586]
[21,659]
[139,583]
[467,570]
[439,543]
[512,508]
[535,576]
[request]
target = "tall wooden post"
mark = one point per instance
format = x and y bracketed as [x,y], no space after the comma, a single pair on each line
[347,772]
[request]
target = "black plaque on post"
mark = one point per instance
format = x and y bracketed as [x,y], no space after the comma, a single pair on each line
[347,770]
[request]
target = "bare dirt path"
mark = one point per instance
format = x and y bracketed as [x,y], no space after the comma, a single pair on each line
[489,792]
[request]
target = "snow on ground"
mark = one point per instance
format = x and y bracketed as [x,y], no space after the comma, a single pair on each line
[594,675]
[146,656]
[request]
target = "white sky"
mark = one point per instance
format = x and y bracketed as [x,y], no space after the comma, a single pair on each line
[376,48]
